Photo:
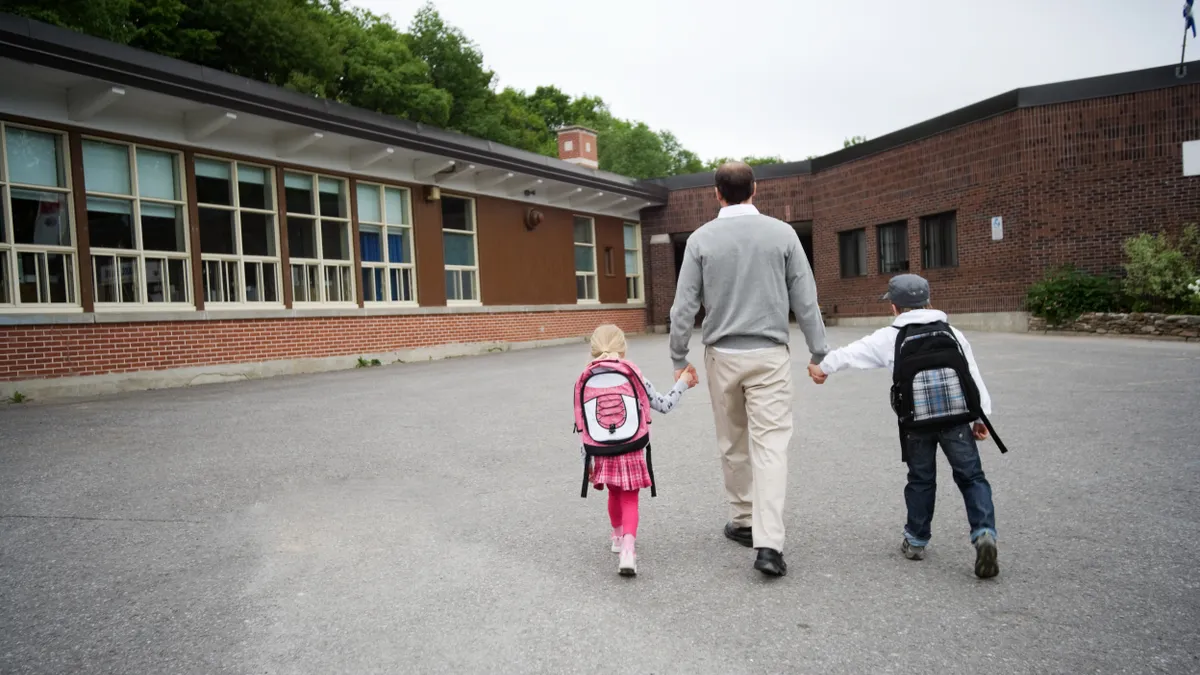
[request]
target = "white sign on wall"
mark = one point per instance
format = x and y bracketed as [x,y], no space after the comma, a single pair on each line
[1191,158]
[997,228]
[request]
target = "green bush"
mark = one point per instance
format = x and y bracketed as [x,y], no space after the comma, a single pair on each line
[1159,269]
[1066,293]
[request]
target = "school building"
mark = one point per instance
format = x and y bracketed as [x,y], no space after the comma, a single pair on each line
[163,223]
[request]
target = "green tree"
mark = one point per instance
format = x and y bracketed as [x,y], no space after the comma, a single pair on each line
[715,163]
[853,140]
[456,67]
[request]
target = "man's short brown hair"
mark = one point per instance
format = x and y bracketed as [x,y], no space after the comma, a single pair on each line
[735,182]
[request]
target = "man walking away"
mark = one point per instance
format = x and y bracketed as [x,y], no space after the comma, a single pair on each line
[747,270]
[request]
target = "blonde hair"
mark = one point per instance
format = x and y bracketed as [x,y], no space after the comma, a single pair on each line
[608,342]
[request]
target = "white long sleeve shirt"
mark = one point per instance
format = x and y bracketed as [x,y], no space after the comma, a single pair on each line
[878,350]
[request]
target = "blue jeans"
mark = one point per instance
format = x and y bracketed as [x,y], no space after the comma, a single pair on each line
[959,445]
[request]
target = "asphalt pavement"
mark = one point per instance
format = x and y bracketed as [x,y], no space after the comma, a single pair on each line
[425,518]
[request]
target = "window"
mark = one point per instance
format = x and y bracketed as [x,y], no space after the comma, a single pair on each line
[136,220]
[568,145]
[939,241]
[633,262]
[238,248]
[318,231]
[852,253]
[385,243]
[893,247]
[37,257]
[585,259]
[458,244]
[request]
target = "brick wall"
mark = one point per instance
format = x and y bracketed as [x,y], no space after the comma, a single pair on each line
[50,351]
[1072,181]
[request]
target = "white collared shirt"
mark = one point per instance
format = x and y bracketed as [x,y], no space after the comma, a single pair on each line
[732,211]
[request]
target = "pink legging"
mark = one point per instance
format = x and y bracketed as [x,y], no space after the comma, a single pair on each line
[623,509]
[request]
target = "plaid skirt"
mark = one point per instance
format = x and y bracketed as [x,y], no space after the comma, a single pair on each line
[627,471]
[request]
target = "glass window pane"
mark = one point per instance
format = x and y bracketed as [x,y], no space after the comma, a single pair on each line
[252,273]
[468,285]
[583,230]
[401,284]
[130,279]
[335,244]
[104,270]
[452,285]
[368,204]
[631,266]
[214,182]
[397,206]
[156,280]
[399,250]
[216,232]
[631,238]
[459,249]
[162,228]
[585,259]
[34,158]
[298,193]
[29,281]
[456,214]
[3,225]
[299,288]
[156,174]
[5,292]
[370,243]
[331,197]
[254,187]
[334,290]
[179,279]
[258,234]
[580,288]
[106,168]
[270,289]
[40,218]
[372,281]
[302,237]
[110,223]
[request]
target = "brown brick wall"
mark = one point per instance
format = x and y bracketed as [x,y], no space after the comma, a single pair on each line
[1072,181]
[50,351]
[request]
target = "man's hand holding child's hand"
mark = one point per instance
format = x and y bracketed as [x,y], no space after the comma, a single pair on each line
[688,375]
[818,376]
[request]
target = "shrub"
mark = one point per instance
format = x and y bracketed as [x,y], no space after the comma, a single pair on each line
[1158,270]
[1066,293]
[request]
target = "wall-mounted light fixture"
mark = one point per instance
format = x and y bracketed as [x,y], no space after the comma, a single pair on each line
[432,193]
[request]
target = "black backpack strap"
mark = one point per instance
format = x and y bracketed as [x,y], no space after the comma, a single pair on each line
[900,337]
[583,492]
[650,470]
[995,437]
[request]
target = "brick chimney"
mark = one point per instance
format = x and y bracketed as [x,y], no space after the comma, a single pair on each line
[578,145]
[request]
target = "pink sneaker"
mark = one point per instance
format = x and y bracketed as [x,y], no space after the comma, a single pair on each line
[627,567]
[616,540]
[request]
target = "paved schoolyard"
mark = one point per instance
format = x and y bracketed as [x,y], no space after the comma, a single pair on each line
[426,518]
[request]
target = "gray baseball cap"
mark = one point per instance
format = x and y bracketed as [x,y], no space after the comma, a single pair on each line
[907,291]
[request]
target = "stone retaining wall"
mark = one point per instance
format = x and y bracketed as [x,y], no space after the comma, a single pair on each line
[1167,326]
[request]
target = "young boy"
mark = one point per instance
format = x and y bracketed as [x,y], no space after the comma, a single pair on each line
[909,296]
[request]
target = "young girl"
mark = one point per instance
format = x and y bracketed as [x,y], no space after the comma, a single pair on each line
[624,475]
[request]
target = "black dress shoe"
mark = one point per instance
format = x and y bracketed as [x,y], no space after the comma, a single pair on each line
[770,562]
[742,535]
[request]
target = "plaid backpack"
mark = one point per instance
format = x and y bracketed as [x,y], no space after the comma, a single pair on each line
[612,412]
[932,387]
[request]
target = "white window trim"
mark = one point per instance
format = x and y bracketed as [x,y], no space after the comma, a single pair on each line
[9,249]
[478,301]
[143,302]
[241,257]
[641,266]
[411,267]
[594,274]
[320,262]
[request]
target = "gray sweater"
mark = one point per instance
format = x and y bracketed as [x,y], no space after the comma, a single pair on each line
[747,271]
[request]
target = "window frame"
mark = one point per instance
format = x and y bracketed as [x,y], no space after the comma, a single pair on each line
[595,277]
[321,263]
[638,276]
[241,257]
[142,303]
[901,266]
[10,250]
[474,233]
[861,261]
[409,268]
[941,219]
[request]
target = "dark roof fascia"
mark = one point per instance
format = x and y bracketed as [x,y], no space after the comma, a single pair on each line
[41,44]
[1149,79]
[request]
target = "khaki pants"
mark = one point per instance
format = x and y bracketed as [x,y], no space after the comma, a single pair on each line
[752,404]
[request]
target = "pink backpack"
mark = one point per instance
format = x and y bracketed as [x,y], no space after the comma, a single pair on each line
[612,413]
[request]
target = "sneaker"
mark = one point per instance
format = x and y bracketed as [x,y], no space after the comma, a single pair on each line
[627,566]
[912,552]
[616,543]
[986,566]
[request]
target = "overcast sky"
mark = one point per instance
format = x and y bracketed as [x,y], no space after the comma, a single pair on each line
[796,77]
